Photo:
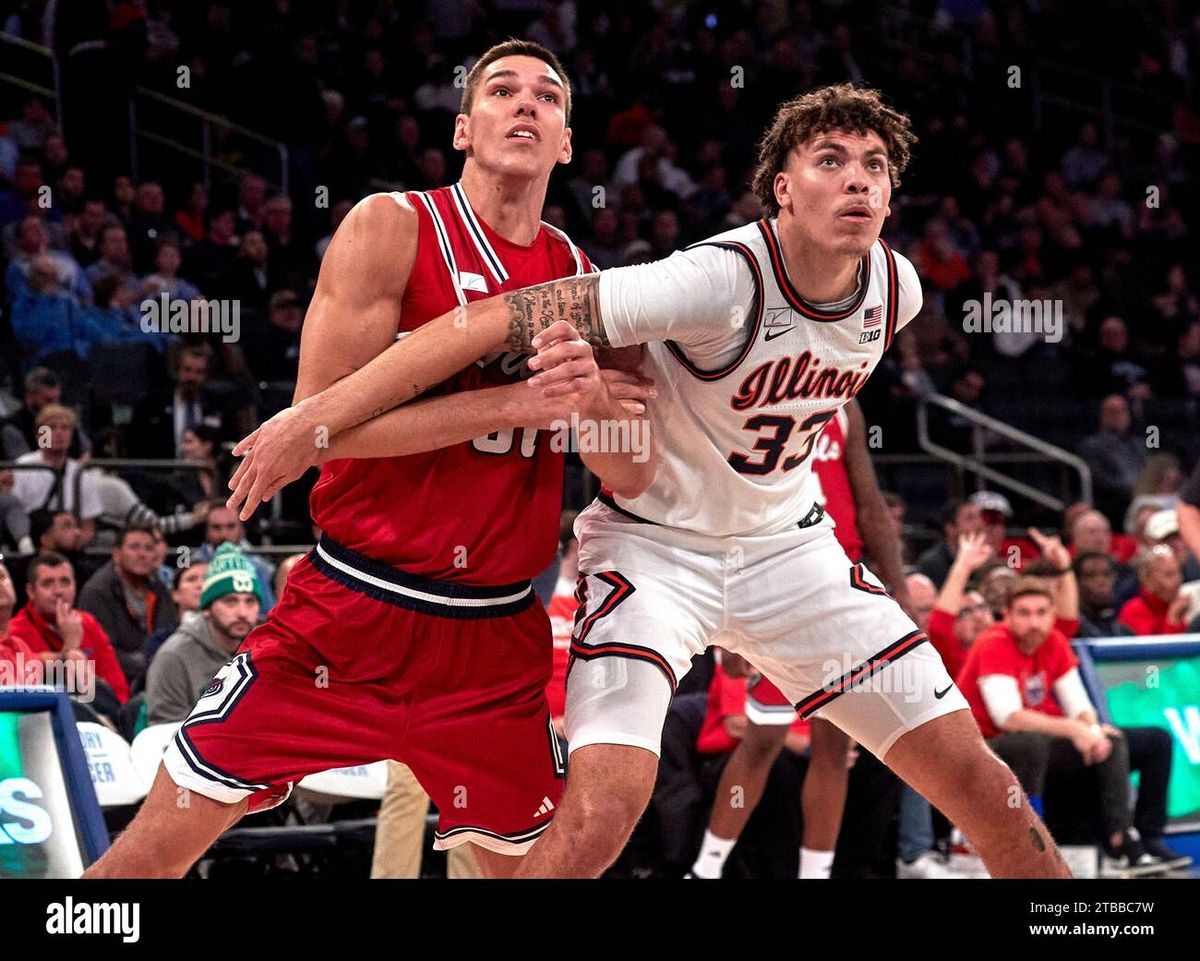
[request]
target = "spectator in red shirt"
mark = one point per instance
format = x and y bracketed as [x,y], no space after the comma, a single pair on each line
[958,614]
[1022,682]
[1160,607]
[52,628]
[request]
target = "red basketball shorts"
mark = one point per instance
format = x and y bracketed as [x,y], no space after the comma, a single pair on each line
[360,662]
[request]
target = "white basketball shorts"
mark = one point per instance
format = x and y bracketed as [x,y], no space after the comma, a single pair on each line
[819,626]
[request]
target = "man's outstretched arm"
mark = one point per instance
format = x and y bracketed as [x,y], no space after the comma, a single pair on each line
[283,448]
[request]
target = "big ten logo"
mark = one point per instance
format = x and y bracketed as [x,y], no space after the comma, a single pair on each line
[21,821]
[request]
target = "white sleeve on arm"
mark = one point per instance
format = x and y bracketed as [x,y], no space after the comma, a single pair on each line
[695,298]
[1001,697]
[909,285]
[1072,696]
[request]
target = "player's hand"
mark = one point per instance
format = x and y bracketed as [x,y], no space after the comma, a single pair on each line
[273,456]
[69,625]
[565,367]
[973,550]
[1052,548]
[629,389]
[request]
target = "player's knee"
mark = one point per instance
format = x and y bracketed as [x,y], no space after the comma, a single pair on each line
[762,742]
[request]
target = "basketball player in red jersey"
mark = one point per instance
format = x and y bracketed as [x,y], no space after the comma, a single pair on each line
[850,493]
[412,631]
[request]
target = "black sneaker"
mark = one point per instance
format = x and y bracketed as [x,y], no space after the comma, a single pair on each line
[1170,860]
[1130,860]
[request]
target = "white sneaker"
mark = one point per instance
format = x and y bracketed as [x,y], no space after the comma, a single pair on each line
[927,866]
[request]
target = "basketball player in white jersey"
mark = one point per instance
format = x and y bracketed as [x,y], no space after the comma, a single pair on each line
[755,338]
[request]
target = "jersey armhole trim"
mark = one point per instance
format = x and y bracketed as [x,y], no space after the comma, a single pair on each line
[756,309]
[893,296]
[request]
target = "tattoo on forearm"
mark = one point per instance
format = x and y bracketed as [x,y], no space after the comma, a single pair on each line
[574,299]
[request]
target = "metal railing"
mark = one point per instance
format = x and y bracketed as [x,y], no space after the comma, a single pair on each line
[33,53]
[978,462]
[210,123]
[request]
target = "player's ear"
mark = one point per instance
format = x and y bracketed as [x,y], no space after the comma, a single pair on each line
[460,140]
[782,188]
[568,151]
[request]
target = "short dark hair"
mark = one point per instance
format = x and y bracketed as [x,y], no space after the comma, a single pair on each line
[1027,587]
[147,529]
[1083,557]
[1041,568]
[41,521]
[839,106]
[514,48]
[177,577]
[45,559]
[41,377]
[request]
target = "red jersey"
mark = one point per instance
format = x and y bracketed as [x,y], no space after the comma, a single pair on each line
[995,651]
[833,484]
[479,513]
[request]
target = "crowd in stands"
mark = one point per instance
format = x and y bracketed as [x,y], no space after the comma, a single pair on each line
[144,573]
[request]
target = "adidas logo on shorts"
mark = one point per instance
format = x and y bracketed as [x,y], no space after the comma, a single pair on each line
[546,807]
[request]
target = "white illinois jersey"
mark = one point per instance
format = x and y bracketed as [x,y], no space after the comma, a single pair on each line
[748,373]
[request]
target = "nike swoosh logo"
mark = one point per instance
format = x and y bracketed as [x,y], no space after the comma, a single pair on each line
[943,692]
[772,334]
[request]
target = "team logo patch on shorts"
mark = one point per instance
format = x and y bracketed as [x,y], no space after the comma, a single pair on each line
[214,687]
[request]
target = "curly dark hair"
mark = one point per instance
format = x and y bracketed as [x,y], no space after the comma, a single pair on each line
[839,106]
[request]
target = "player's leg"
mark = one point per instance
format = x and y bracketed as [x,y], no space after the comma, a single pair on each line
[738,792]
[947,761]
[609,788]
[845,651]
[173,828]
[823,797]
[769,717]
[649,603]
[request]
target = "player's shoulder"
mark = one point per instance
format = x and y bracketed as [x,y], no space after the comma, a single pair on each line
[728,239]
[384,213]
